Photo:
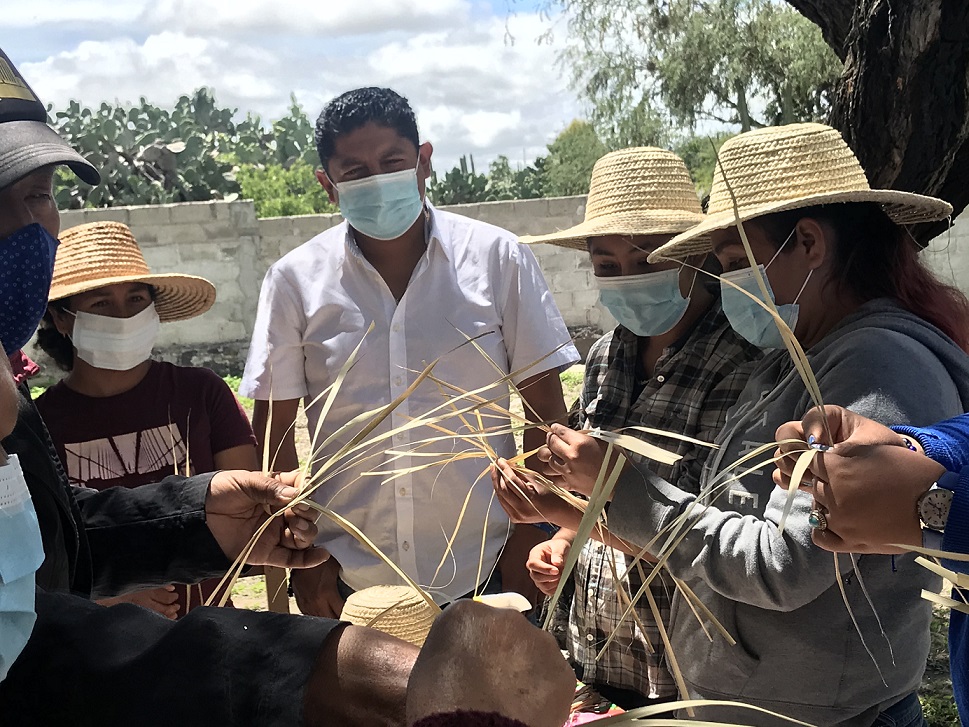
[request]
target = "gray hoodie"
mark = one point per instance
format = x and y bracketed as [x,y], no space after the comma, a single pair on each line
[797,651]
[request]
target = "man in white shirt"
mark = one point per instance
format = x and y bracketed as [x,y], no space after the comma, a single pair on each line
[427,280]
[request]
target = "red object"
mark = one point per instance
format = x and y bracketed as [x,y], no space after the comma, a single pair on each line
[22,367]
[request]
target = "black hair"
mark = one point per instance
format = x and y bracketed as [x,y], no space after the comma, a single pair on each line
[876,258]
[54,343]
[353,109]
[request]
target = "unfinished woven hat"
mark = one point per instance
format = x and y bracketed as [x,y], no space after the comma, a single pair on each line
[97,254]
[636,191]
[789,167]
[396,610]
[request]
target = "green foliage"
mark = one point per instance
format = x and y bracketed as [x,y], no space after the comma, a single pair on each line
[571,156]
[700,155]
[647,64]
[461,185]
[281,192]
[148,155]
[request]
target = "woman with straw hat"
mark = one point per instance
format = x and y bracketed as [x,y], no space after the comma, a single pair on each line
[826,643]
[118,418]
[672,363]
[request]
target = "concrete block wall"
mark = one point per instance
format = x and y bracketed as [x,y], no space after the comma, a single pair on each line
[225,243]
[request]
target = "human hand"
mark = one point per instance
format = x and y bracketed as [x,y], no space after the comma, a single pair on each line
[525,500]
[574,458]
[239,503]
[511,562]
[485,659]
[160,600]
[316,590]
[867,484]
[545,563]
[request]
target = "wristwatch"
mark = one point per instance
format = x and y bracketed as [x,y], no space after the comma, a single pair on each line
[934,504]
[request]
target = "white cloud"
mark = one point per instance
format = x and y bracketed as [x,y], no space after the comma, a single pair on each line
[474,91]
[302,17]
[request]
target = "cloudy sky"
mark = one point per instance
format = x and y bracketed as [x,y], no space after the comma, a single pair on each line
[475,71]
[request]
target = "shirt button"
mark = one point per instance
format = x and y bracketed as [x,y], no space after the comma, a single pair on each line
[398,380]
[401,437]
[396,328]
[590,638]
[405,545]
[661,378]
[403,491]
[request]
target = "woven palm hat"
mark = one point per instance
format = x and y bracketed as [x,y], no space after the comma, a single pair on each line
[97,254]
[637,191]
[790,167]
[396,610]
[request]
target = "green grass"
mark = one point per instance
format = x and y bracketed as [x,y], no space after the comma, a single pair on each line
[936,692]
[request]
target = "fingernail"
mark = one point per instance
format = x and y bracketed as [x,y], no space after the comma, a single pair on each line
[302,508]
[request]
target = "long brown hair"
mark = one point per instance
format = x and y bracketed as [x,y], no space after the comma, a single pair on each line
[875,258]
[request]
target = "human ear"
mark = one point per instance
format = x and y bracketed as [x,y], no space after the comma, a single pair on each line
[63,322]
[813,240]
[328,186]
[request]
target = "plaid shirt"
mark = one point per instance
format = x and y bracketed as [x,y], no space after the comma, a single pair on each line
[693,385]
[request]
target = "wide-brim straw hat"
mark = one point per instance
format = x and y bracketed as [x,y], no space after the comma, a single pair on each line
[396,610]
[636,191]
[98,254]
[789,167]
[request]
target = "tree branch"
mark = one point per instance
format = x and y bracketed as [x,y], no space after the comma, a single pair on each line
[833,17]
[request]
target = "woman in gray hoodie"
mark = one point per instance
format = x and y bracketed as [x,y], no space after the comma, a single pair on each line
[884,338]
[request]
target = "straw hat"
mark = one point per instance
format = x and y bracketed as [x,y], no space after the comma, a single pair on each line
[396,610]
[637,191]
[105,253]
[790,167]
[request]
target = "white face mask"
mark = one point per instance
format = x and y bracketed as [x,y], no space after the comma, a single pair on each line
[21,554]
[116,344]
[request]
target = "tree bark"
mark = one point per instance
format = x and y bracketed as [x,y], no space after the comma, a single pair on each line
[903,99]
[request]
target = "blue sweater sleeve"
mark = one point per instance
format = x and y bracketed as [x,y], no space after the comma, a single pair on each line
[946,442]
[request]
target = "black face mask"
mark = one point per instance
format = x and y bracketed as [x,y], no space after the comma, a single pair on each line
[710,284]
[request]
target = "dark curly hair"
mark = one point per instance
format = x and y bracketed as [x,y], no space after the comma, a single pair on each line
[353,109]
[54,343]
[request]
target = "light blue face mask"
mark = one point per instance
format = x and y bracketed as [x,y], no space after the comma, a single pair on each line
[383,206]
[746,316]
[21,554]
[648,304]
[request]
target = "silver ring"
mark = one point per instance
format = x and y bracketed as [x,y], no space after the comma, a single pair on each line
[817,520]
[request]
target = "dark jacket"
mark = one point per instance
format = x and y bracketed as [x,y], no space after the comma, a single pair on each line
[86,664]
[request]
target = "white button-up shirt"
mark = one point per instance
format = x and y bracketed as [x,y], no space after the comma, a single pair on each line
[315,307]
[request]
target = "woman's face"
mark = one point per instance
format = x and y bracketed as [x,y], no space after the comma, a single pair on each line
[121,300]
[619,255]
[787,272]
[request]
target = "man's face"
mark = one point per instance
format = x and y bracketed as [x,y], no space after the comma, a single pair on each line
[30,200]
[371,150]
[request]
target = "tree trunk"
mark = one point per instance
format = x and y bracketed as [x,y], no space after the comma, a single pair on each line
[903,100]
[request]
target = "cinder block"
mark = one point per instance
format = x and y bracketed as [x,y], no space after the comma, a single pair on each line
[150,217]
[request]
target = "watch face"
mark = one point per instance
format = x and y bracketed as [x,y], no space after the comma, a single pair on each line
[934,508]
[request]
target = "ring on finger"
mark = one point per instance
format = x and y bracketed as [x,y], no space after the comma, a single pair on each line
[818,520]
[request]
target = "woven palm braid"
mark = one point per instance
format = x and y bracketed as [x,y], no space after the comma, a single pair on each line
[98,254]
[636,191]
[790,167]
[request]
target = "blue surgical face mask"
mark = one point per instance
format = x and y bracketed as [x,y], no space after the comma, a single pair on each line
[746,316]
[383,206]
[648,304]
[21,554]
[26,270]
